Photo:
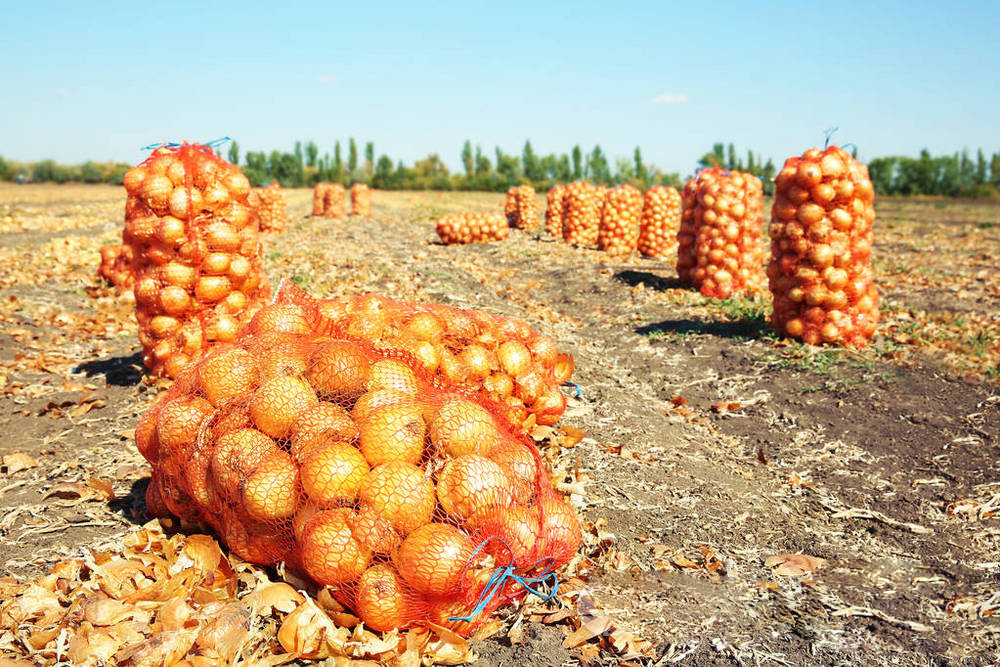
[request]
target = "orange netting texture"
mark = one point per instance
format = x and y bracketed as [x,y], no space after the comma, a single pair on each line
[361,200]
[272,208]
[719,249]
[619,230]
[821,241]
[116,266]
[355,467]
[499,357]
[661,218]
[472,227]
[521,208]
[581,219]
[196,254]
[554,210]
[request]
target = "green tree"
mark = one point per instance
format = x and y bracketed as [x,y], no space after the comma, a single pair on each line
[234,153]
[981,177]
[640,168]
[995,170]
[530,163]
[716,158]
[597,167]
[483,165]
[624,170]
[337,170]
[298,153]
[564,171]
[352,156]
[467,160]
[370,157]
[91,172]
[577,163]
[43,172]
[731,161]
[312,152]
[256,167]
[382,178]
[507,168]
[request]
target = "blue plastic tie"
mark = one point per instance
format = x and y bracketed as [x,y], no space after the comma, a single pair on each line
[575,386]
[829,134]
[499,580]
[173,144]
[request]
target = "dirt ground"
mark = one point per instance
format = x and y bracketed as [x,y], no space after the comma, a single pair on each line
[711,445]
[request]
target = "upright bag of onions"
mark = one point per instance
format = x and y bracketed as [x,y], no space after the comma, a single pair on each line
[719,246]
[554,210]
[523,213]
[319,198]
[272,209]
[412,499]
[661,218]
[581,219]
[472,228]
[335,201]
[196,251]
[619,230]
[510,206]
[361,200]
[499,357]
[821,240]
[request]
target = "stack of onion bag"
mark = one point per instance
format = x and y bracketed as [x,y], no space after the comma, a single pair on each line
[497,356]
[116,266]
[719,246]
[272,209]
[525,210]
[821,240]
[581,220]
[196,251]
[472,227]
[361,200]
[661,218]
[356,468]
[554,210]
[619,230]
[335,201]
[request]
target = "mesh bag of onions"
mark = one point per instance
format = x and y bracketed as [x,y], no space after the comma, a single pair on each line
[196,252]
[414,500]
[361,200]
[472,227]
[329,200]
[581,220]
[510,205]
[821,240]
[499,357]
[661,218]
[116,266]
[525,209]
[319,198]
[619,230]
[272,209]
[554,210]
[719,246]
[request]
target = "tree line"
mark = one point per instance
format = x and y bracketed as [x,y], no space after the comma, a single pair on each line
[956,175]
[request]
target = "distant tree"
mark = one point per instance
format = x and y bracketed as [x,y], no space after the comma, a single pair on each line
[91,172]
[6,170]
[981,177]
[337,169]
[751,164]
[532,166]
[995,170]
[597,167]
[370,157]
[298,153]
[256,167]
[640,168]
[508,168]
[715,158]
[577,163]
[352,156]
[564,171]
[467,161]
[286,168]
[483,165]
[382,178]
[731,160]
[624,170]
[44,171]
[234,153]
[882,172]
[312,151]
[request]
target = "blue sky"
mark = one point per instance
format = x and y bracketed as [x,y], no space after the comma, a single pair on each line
[82,80]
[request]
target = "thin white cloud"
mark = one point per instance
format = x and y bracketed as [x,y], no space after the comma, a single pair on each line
[328,78]
[670,98]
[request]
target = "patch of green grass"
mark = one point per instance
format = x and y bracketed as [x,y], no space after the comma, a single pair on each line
[275,255]
[301,281]
[986,225]
[979,344]
[751,314]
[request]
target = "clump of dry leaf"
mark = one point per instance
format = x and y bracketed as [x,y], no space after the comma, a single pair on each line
[179,600]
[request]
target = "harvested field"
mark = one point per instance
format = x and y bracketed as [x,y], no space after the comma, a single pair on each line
[715,455]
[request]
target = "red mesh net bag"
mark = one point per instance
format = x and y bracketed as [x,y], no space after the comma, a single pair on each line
[521,208]
[554,210]
[361,200]
[581,219]
[499,357]
[661,218]
[196,253]
[272,208]
[414,500]
[329,200]
[719,246]
[619,230]
[821,241]
[472,227]
[116,266]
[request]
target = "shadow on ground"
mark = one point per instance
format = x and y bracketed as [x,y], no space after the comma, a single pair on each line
[117,371]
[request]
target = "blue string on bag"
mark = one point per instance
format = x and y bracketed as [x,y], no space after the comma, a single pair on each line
[502,574]
[172,144]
